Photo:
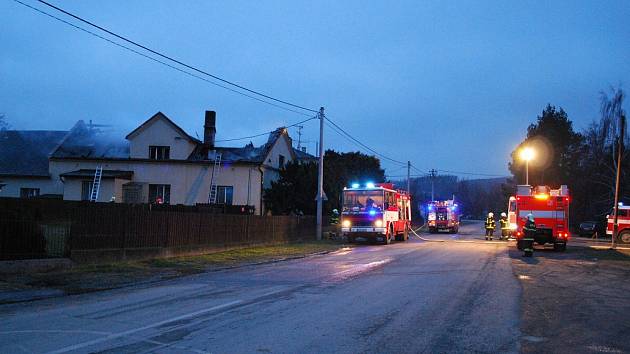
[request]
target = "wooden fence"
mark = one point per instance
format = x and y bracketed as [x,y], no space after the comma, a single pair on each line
[92,232]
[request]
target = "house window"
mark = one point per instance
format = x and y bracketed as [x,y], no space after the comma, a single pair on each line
[29,192]
[224,195]
[160,193]
[86,189]
[281,160]
[159,152]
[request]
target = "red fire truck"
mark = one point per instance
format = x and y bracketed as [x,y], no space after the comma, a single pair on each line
[375,212]
[550,208]
[624,223]
[443,215]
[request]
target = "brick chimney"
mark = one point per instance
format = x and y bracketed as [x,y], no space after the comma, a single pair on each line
[209,129]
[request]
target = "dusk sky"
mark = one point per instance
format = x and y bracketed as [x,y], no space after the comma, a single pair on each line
[447,85]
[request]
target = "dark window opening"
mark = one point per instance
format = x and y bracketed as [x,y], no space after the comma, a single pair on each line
[86,189]
[29,192]
[159,152]
[281,161]
[225,195]
[160,193]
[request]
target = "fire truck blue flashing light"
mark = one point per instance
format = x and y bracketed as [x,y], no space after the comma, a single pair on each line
[369,185]
[430,207]
[372,212]
[355,185]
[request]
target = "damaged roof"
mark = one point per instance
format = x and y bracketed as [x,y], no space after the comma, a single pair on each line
[25,152]
[86,141]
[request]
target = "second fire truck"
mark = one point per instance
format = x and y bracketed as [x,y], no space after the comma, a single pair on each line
[443,215]
[550,208]
[375,212]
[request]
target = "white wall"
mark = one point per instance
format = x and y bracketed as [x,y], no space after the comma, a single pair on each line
[190,183]
[160,133]
[45,185]
[281,147]
[73,187]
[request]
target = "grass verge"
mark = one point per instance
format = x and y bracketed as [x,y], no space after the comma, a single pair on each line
[86,278]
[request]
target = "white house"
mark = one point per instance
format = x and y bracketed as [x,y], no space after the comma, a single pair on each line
[159,161]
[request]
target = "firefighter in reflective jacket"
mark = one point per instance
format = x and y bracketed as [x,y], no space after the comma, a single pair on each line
[529,230]
[334,216]
[490,225]
[505,227]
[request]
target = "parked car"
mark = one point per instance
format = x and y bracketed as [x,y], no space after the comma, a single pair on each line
[588,229]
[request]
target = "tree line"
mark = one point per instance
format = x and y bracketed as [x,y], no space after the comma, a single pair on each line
[583,160]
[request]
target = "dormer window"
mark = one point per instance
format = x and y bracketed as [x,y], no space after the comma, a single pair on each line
[159,152]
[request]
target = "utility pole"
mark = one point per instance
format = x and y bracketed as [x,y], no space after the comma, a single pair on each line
[622,124]
[299,127]
[433,173]
[408,178]
[320,175]
[527,172]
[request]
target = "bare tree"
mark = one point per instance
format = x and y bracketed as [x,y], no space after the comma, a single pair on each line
[3,122]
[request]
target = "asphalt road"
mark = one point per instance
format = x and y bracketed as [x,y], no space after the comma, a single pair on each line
[410,297]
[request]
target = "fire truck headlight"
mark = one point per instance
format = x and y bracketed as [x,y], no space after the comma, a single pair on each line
[378,223]
[346,223]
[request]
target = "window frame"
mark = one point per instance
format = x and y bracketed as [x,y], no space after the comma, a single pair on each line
[159,152]
[165,190]
[222,190]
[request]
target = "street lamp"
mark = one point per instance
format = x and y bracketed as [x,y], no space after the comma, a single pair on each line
[527,154]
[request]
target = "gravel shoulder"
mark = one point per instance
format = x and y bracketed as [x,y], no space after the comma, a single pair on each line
[574,301]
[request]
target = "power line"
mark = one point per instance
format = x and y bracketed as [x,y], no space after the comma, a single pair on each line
[265,133]
[165,57]
[417,169]
[343,132]
[175,60]
[472,173]
[405,176]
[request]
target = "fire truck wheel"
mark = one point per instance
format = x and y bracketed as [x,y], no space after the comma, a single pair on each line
[432,230]
[350,239]
[389,236]
[560,247]
[624,237]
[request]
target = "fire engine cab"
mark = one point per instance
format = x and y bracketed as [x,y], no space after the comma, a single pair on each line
[443,215]
[550,208]
[375,212]
[624,223]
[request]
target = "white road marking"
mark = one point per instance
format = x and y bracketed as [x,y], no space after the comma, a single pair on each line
[363,267]
[153,325]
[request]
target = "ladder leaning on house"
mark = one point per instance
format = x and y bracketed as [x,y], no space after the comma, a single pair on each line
[212,197]
[96,184]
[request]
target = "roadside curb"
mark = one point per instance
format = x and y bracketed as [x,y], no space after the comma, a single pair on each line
[62,293]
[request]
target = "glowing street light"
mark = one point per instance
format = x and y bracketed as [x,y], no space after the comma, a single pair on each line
[527,154]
